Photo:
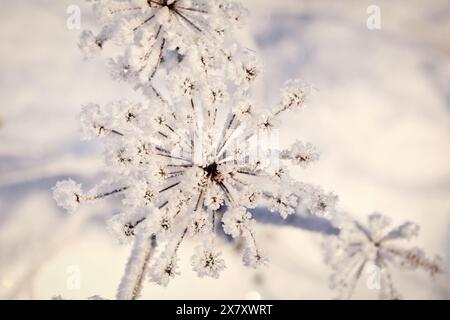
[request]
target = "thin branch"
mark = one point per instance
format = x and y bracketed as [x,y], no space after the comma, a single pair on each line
[107,194]
[169,187]
[131,284]
[143,22]
[158,62]
[115,11]
[188,21]
[192,9]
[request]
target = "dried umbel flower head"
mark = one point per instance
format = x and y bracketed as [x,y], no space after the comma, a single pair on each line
[197,156]
[68,195]
[206,261]
[302,154]
[150,33]
[179,173]
[359,247]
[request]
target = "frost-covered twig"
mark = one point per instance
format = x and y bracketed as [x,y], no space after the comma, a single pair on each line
[131,284]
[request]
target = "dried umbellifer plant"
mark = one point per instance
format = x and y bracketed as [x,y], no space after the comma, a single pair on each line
[196,158]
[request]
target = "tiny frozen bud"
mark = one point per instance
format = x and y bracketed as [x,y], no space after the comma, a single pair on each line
[206,261]
[126,112]
[187,86]
[243,110]
[89,44]
[323,203]
[164,270]
[68,195]
[267,122]
[140,194]
[278,174]
[253,257]
[295,94]
[251,197]
[125,226]
[207,57]
[159,119]
[199,223]
[251,71]
[214,199]
[284,202]
[123,231]
[302,154]
[236,222]
[160,222]
[92,122]
[123,155]
[216,94]
[160,172]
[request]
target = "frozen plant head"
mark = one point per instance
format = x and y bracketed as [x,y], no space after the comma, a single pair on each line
[207,261]
[68,195]
[152,33]
[198,155]
[187,169]
[359,246]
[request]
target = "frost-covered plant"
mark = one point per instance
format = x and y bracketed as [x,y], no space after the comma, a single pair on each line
[150,34]
[189,168]
[196,159]
[358,247]
[198,155]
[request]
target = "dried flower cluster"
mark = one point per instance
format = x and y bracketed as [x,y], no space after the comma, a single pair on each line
[175,35]
[199,154]
[358,247]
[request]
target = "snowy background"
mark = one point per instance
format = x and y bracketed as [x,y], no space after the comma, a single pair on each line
[381,120]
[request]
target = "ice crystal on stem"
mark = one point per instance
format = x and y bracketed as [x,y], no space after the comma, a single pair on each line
[358,246]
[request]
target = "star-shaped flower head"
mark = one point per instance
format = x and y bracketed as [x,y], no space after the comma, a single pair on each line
[152,33]
[374,248]
[190,168]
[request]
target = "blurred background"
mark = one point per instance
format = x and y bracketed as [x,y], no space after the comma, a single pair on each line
[381,119]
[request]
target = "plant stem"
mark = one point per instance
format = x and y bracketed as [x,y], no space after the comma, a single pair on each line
[131,284]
